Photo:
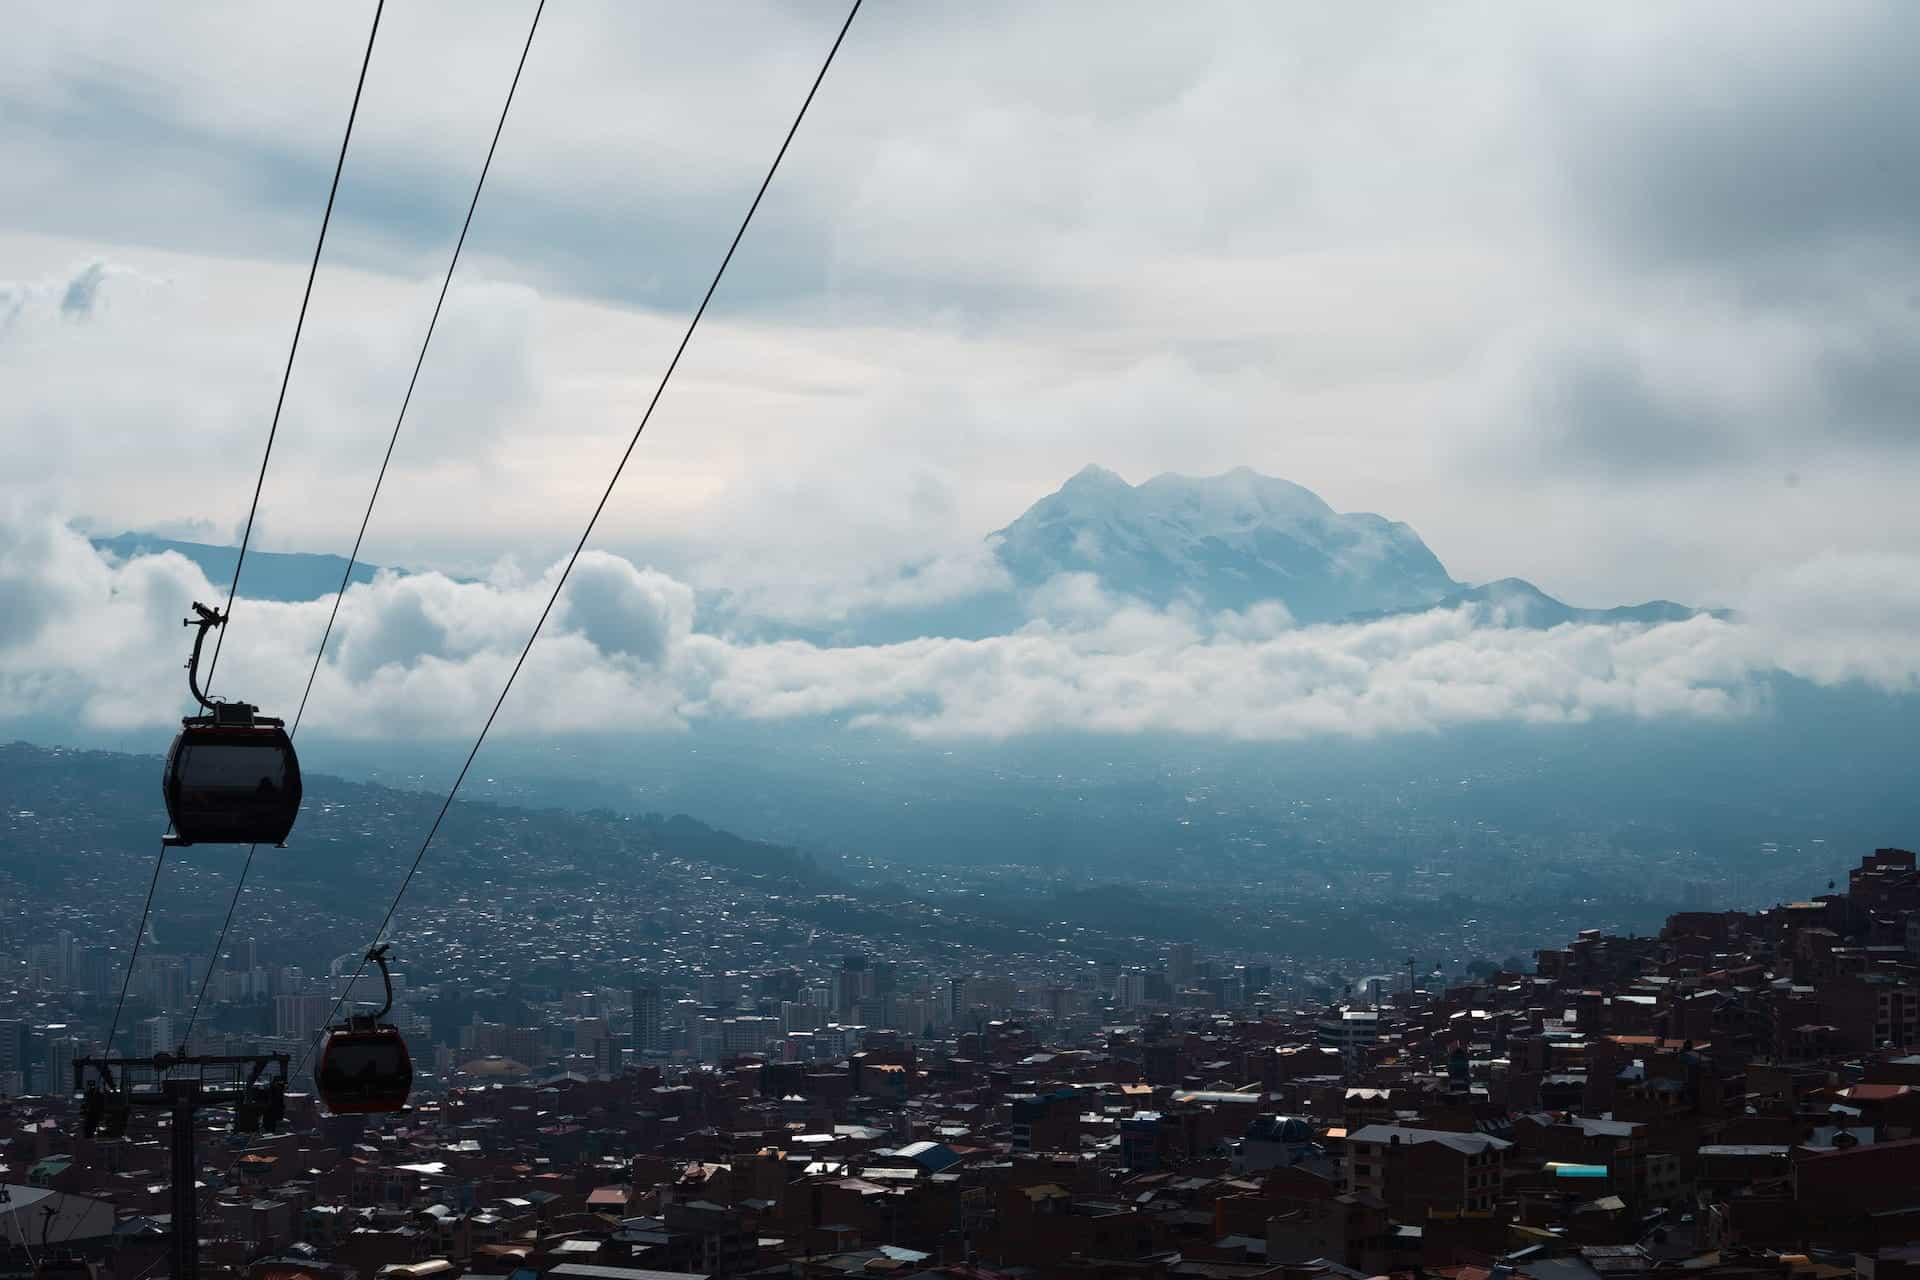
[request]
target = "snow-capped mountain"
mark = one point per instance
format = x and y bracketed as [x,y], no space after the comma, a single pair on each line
[1214,542]
[1224,542]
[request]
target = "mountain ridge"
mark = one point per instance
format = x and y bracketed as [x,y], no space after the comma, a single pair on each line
[284,576]
[1515,602]
[1221,542]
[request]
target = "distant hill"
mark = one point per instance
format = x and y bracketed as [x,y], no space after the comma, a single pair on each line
[270,575]
[80,828]
[117,797]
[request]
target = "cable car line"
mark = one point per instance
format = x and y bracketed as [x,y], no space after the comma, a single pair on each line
[353,557]
[299,323]
[218,944]
[134,954]
[333,191]
[600,507]
[6,1198]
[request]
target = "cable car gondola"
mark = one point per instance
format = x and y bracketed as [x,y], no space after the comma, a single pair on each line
[232,776]
[364,1067]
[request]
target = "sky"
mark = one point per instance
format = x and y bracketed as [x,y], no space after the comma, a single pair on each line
[1622,301]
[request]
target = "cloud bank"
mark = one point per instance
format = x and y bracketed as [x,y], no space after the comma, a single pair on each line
[422,656]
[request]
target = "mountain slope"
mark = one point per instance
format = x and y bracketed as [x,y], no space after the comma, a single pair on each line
[1223,542]
[1515,602]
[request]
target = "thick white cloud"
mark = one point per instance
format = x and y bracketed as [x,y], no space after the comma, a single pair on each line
[83,637]
[146,406]
[1839,617]
[422,657]
[627,612]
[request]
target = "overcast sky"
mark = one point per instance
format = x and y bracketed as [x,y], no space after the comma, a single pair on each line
[1620,299]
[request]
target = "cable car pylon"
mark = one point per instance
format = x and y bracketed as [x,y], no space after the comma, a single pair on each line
[255,1087]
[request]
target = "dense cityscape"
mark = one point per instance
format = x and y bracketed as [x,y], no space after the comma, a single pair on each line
[742,1066]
